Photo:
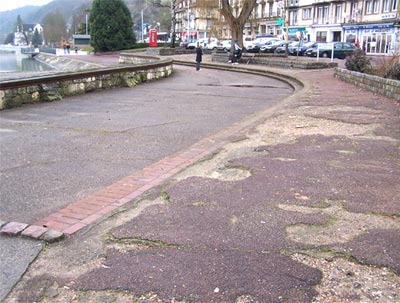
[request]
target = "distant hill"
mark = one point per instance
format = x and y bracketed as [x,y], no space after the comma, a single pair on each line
[70,8]
[34,14]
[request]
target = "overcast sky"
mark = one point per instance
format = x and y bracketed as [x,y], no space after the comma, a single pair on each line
[6,5]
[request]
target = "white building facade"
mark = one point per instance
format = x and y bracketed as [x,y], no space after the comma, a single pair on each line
[371,24]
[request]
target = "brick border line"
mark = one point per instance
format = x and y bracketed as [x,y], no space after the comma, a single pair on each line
[80,214]
[30,231]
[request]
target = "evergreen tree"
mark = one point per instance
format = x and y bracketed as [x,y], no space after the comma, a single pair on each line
[37,38]
[9,39]
[19,27]
[110,26]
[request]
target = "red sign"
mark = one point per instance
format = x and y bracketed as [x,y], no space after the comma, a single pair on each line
[153,37]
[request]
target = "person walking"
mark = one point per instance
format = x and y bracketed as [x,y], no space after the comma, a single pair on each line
[199,56]
[237,53]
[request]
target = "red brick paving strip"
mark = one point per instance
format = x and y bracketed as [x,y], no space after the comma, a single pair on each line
[13,228]
[79,214]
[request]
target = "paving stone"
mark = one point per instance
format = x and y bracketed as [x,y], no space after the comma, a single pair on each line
[13,228]
[34,231]
[52,235]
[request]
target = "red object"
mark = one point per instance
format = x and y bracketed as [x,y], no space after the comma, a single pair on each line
[153,37]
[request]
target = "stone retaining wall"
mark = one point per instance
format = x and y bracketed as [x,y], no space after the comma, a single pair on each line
[275,61]
[167,51]
[386,87]
[59,85]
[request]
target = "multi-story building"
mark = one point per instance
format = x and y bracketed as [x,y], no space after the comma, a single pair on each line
[371,24]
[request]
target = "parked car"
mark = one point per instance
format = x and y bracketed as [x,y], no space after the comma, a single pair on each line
[271,46]
[224,45]
[246,43]
[269,42]
[212,44]
[255,45]
[185,43]
[204,42]
[282,49]
[341,50]
[310,50]
[302,48]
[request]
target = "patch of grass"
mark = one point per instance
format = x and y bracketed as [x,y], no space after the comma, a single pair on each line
[203,203]
[164,195]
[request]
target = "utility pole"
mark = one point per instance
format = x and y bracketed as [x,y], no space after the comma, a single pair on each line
[287,27]
[142,24]
[188,21]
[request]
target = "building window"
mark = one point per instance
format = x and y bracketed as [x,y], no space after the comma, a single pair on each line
[326,14]
[354,11]
[395,6]
[386,5]
[368,7]
[321,36]
[293,17]
[320,15]
[294,2]
[376,5]
[338,13]
[307,13]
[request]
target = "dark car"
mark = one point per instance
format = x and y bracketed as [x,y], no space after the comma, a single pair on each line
[341,50]
[282,49]
[272,47]
[302,48]
[255,45]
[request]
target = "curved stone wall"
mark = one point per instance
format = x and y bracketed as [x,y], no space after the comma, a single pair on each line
[59,85]
[379,85]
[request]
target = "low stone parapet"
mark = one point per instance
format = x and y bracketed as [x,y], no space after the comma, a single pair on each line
[167,51]
[59,85]
[379,85]
[274,60]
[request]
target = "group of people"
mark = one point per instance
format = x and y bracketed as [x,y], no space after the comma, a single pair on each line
[237,54]
[67,48]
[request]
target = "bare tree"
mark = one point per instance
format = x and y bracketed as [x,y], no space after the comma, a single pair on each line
[237,21]
[172,6]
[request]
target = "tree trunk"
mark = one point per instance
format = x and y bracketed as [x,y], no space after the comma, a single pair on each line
[237,23]
[173,23]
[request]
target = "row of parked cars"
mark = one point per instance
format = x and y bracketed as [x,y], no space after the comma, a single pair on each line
[302,48]
[275,45]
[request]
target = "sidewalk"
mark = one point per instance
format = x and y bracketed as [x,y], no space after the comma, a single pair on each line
[303,207]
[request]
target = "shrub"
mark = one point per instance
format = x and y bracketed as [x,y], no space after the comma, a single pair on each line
[358,62]
[391,68]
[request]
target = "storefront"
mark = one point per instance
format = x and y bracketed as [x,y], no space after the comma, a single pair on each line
[326,33]
[295,33]
[377,38]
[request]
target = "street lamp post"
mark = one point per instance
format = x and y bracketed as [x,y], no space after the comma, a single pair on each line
[188,22]
[141,14]
[287,28]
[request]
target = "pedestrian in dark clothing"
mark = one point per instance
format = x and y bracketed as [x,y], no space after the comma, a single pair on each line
[199,56]
[237,53]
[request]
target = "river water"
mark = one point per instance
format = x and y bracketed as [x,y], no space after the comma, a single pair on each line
[9,63]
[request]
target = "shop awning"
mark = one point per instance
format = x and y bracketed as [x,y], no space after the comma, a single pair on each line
[369,26]
[294,30]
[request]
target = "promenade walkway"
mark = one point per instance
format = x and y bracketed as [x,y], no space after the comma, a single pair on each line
[298,203]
